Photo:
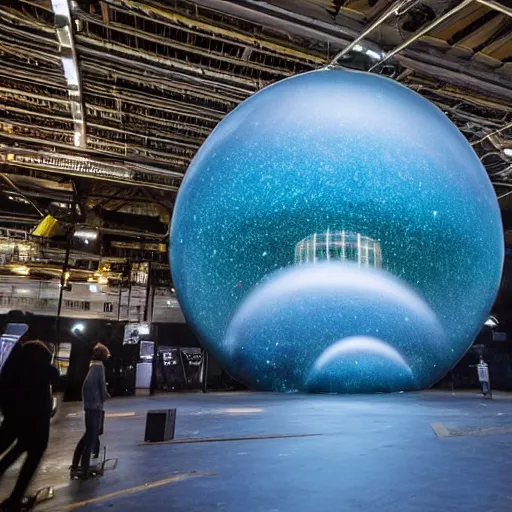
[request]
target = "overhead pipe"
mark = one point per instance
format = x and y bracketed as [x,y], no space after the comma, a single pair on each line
[108,231]
[127,199]
[121,231]
[16,189]
[19,220]
[83,155]
[85,166]
[134,234]
[119,181]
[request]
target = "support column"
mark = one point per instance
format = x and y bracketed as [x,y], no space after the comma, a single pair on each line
[65,267]
[204,372]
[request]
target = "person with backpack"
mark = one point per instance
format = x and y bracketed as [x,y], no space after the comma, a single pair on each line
[26,383]
[94,394]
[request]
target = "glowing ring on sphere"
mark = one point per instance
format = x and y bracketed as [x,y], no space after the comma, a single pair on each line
[357,345]
[360,364]
[296,314]
[336,151]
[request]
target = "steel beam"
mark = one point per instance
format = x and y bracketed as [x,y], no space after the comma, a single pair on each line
[424,31]
[496,6]
[15,187]
[69,59]
[219,32]
[496,132]
[506,194]
[392,10]
[455,74]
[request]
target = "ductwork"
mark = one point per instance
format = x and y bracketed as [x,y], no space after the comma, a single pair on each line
[127,173]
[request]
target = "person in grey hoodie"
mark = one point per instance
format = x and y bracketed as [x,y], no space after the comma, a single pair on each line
[94,394]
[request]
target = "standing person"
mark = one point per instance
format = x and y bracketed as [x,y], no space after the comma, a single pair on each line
[94,394]
[17,323]
[30,381]
[8,388]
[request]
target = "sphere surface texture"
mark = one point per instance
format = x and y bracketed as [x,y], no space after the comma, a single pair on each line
[335,151]
[360,364]
[292,319]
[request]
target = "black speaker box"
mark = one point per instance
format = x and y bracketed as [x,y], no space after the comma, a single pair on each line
[160,426]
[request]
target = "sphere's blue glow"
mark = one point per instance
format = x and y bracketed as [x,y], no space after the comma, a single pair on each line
[337,151]
[295,315]
[360,364]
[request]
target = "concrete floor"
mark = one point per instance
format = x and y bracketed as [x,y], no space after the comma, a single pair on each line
[402,453]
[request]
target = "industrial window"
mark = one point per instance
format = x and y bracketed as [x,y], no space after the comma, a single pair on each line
[82,305]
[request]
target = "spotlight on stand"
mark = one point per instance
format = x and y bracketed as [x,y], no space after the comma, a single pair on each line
[492,322]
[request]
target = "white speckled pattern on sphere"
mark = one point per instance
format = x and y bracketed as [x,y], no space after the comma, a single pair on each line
[341,151]
[279,336]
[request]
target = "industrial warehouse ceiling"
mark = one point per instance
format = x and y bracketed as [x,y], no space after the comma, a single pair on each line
[106,102]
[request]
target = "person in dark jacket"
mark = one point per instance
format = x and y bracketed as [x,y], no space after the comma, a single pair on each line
[94,394]
[8,398]
[30,376]
[10,364]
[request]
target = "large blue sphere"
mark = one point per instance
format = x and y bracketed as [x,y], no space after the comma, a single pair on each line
[279,336]
[336,151]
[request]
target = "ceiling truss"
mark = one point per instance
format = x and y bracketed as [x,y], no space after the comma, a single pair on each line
[120,92]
